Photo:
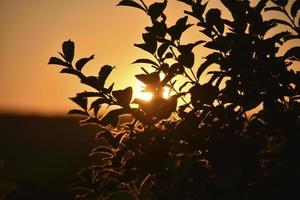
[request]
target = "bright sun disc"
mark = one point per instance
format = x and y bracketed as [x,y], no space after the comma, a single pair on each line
[147,96]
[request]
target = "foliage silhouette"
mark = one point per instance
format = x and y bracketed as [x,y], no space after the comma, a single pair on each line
[206,148]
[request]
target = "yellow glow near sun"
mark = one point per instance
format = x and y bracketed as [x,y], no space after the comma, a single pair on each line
[147,96]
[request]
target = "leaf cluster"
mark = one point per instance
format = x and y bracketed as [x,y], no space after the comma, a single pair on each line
[207,147]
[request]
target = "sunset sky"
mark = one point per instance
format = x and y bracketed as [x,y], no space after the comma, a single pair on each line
[33,30]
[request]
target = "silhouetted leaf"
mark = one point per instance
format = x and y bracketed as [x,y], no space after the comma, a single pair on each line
[82,102]
[149,79]
[108,136]
[187,59]
[280,36]
[150,44]
[210,59]
[293,53]
[162,49]
[203,94]
[88,94]
[118,139]
[72,71]
[98,102]
[176,31]
[91,81]
[123,96]
[80,63]
[260,5]
[131,3]
[103,74]
[78,112]
[156,9]
[188,2]
[145,60]
[295,8]
[110,89]
[213,17]
[280,2]
[278,21]
[57,61]
[112,117]
[183,85]
[68,50]
[102,150]
[274,8]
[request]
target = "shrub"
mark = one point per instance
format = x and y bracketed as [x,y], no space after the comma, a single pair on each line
[206,147]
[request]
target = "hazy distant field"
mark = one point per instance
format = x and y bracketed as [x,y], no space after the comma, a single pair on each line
[42,154]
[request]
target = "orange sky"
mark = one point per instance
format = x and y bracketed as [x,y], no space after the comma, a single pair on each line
[33,30]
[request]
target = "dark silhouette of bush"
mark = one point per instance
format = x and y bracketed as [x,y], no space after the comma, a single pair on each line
[207,147]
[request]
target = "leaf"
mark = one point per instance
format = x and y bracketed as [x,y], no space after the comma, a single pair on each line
[110,88]
[281,35]
[119,138]
[156,9]
[149,79]
[103,74]
[162,49]
[123,96]
[187,59]
[188,2]
[274,8]
[82,102]
[88,94]
[68,50]
[57,61]
[150,44]
[183,85]
[145,60]
[278,21]
[72,71]
[295,8]
[102,150]
[98,102]
[131,3]
[77,112]
[280,2]
[90,120]
[176,31]
[108,136]
[260,5]
[212,16]
[293,53]
[112,117]
[210,59]
[80,63]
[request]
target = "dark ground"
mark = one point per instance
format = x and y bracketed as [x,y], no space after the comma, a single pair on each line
[41,155]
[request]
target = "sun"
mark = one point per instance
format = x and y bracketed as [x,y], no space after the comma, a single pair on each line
[147,96]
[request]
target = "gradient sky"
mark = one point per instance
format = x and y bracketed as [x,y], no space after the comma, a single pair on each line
[33,30]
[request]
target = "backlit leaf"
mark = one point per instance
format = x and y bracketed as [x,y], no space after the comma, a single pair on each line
[103,74]
[145,60]
[131,3]
[123,96]
[293,53]
[78,112]
[82,102]
[102,150]
[149,79]
[295,8]
[57,61]
[112,117]
[68,50]
[280,2]
[156,9]
[80,63]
